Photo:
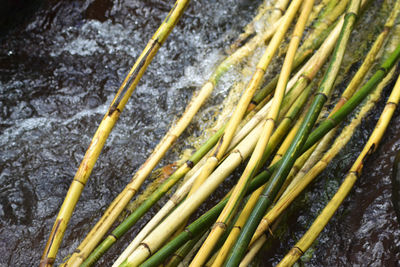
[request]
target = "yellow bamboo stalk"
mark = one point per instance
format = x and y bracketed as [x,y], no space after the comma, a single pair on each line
[198,99]
[183,211]
[193,174]
[223,252]
[254,162]
[299,81]
[253,250]
[290,195]
[245,99]
[308,238]
[104,129]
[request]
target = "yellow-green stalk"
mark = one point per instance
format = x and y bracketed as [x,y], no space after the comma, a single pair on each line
[308,238]
[104,129]
[254,162]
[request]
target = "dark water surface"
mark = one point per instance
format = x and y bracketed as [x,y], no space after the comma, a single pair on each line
[61,63]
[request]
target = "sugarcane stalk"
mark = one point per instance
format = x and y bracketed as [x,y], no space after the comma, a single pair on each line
[290,156]
[104,129]
[254,162]
[318,225]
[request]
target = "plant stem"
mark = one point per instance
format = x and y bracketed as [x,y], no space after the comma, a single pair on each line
[254,162]
[290,156]
[308,238]
[104,129]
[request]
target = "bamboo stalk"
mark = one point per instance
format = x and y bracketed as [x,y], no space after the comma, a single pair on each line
[104,129]
[207,219]
[245,99]
[308,238]
[253,250]
[292,192]
[111,214]
[369,60]
[254,162]
[290,156]
[235,231]
[317,35]
[304,76]
[181,253]
[181,193]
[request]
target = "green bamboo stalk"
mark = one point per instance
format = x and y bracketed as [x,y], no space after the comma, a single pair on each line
[323,218]
[318,33]
[298,186]
[182,252]
[254,161]
[304,76]
[290,156]
[208,218]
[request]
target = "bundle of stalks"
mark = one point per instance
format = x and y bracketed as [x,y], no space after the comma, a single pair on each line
[272,123]
[308,238]
[199,98]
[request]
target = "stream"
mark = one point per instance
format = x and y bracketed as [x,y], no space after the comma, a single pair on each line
[61,63]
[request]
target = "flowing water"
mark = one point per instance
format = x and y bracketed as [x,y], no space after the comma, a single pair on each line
[61,63]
